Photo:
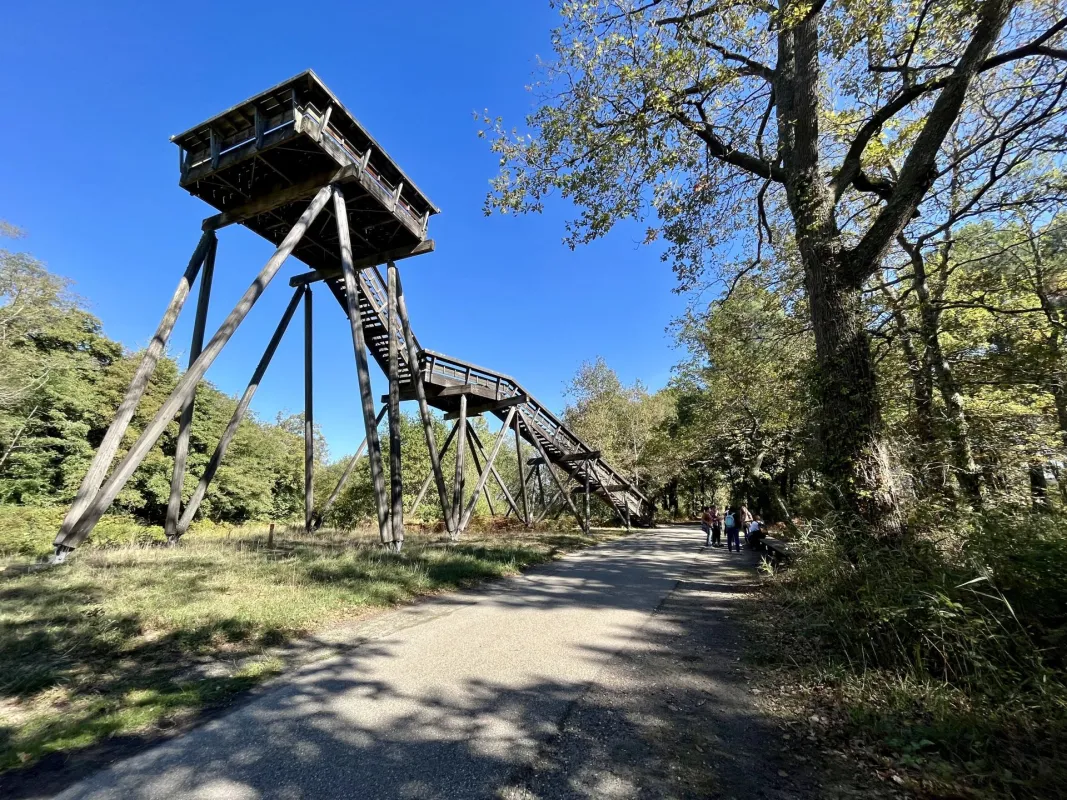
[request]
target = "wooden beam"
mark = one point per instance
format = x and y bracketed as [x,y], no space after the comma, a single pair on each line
[420,395]
[181,446]
[396,480]
[282,197]
[484,476]
[238,414]
[478,467]
[537,444]
[367,262]
[579,456]
[533,462]
[445,511]
[490,405]
[347,473]
[359,345]
[456,390]
[526,518]
[512,505]
[309,415]
[105,453]
[457,485]
[150,435]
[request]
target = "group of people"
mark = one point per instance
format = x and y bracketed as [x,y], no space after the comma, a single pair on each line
[734,521]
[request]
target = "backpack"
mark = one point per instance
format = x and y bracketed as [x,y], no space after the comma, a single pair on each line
[729,520]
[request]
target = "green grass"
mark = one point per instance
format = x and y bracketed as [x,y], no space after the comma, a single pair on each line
[943,658]
[133,638]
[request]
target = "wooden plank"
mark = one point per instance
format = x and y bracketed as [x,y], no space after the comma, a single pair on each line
[238,414]
[282,197]
[456,390]
[490,405]
[359,345]
[110,490]
[309,415]
[105,453]
[181,446]
[397,254]
[396,480]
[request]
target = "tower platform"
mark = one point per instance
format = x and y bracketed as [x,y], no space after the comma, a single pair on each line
[259,161]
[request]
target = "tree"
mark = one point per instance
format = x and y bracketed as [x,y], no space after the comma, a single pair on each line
[718,116]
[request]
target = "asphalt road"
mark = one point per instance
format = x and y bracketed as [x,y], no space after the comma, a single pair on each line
[446,700]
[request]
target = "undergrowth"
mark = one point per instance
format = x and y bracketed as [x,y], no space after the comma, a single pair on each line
[946,652]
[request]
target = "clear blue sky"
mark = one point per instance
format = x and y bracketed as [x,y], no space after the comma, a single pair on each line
[93,92]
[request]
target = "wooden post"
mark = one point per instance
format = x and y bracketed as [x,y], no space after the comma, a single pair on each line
[457,486]
[111,488]
[396,480]
[484,476]
[347,473]
[551,472]
[447,511]
[587,498]
[270,534]
[359,344]
[238,414]
[181,447]
[522,476]
[414,369]
[105,454]
[309,416]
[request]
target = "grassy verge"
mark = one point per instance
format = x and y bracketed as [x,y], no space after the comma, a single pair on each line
[132,638]
[940,663]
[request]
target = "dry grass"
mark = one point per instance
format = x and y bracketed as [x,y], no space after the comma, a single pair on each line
[129,639]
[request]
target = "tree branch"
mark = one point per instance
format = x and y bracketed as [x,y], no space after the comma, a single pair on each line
[920,167]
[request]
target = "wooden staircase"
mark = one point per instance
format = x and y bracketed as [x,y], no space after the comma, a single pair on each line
[537,425]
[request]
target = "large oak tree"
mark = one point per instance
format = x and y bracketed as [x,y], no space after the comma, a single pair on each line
[729,119]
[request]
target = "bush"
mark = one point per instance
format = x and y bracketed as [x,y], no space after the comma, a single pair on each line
[954,638]
[28,531]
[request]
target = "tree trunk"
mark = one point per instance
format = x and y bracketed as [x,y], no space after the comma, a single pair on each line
[967,474]
[1038,486]
[855,449]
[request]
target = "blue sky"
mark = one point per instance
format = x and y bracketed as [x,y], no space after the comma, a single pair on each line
[93,92]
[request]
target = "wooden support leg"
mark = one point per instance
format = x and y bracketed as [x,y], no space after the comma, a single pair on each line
[522,476]
[414,367]
[101,462]
[484,476]
[309,416]
[477,443]
[446,512]
[347,473]
[181,447]
[396,480]
[540,485]
[586,527]
[109,491]
[242,408]
[529,478]
[359,344]
[551,472]
[457,487]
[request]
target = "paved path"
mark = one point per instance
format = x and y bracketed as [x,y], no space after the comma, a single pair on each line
[447,699]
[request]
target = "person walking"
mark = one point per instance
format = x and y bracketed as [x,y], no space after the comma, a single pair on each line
[705,525]
[744,520]
[716,527]
[731,523]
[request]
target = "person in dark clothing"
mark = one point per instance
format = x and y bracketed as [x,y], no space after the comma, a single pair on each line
[732,525]
[716,527]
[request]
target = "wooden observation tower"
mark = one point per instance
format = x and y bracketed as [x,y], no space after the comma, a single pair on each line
[293,165]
